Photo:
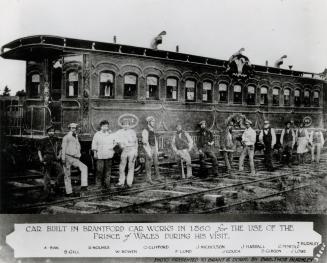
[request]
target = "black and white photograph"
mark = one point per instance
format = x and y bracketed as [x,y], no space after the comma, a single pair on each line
[137,109]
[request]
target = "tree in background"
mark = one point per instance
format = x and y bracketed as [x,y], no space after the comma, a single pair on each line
[21,93]
[6,91]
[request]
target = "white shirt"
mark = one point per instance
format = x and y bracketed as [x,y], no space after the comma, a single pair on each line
[127,138]
[104,143]
[249,136]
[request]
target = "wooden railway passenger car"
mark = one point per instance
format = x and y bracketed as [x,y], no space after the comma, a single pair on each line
[72,80]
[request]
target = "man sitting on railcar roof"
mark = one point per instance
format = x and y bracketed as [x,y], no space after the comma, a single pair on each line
[205,146]
[71,152]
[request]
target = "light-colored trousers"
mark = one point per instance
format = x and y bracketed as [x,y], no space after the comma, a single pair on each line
[228,156]
[314,146]
[247,150]
[127,156]
[69,162]
[185,155]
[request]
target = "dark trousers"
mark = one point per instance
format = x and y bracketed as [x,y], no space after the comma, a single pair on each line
[103,172]
[208,152]
[268,157]
[287,154]
[53,170]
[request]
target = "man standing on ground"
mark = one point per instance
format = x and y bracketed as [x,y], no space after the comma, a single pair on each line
[268,138]
[103,144]
[150,146]
[287,141]
[71,152]
[228,146]
[206,147]
[182,144]
[317,141]
[248,141]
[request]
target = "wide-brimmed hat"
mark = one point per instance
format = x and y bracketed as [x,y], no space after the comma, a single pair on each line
[201,122]
[72,125]
[150,118]
[266,122]
[248,122]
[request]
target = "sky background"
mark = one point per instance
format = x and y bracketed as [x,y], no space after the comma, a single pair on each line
[267,29]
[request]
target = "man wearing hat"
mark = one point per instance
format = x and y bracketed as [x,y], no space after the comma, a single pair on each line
[71,152]
[248,141]
[267,137]
[128,141]
[49,155]
[182,144]
[150,146]
[103,144]
[287,140]
[317,141]
[302,136]
[205,146]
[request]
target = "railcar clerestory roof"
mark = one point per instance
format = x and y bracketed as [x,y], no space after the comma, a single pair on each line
[44,46]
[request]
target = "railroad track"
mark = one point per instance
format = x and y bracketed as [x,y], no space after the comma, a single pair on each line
[194,195]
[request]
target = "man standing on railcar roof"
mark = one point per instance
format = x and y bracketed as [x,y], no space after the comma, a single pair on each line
[128,141]
[103,144]
[49,155]
[268,138]
[150,146]
[205,146]
[248,141]
[71,152]
[287,140]
[228,145]
[182,144]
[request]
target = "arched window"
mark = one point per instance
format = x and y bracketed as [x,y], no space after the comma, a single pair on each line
[223,92]
[72,84]
[306,98]
[264,96]
[35,86]
[190,90]
[237,94]
[207,91]
[297,98]
[152,88]
[276,96]
[287,97]
[106,85]
[130,86]
[172,89]
[316,98]
[251,95]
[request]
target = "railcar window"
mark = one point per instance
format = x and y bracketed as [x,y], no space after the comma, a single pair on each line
[207,91]
[130,86]
[251,95]
[152,88]
[264,96]
[190,90]
[172,89]
[306,98]
[297,98]
[35,86]
[106,85]
[276,96]
[222,92]
[287,101]
[72,85]
[316,98]
[237,94]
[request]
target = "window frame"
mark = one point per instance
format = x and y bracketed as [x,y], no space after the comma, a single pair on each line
[68,82]
[136,86]
[211,99]
[307,103]
[226,91]
[266,96]
[241,93]
[297,104]
[194,90]
[314,101]
[177,92]
[113,85]
[33,87]
[289,97]
[247,94]
[147,87]
[273,103]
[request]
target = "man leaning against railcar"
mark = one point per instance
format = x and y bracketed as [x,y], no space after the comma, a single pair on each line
[71,152]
